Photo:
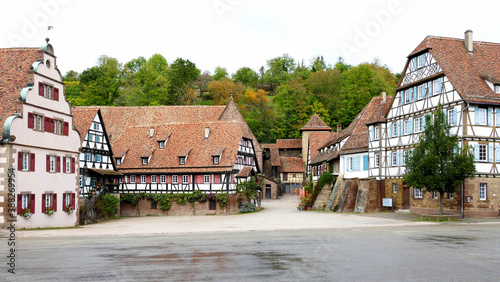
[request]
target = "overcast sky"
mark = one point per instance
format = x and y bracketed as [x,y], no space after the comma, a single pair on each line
[238,33]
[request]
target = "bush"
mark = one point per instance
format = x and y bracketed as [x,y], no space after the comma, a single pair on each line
[247,207]
[222,199]
[108,205]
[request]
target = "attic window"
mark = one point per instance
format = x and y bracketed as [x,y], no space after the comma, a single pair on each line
[182,160]
[216,160]
[118,161]
[161,144]
[145,161]
[47,63]
[497,88]
[207,132]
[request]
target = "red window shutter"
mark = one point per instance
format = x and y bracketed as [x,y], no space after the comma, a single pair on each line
[31,121]
[54,201]
[32,203]
[72,165]
[64,201]
[46,124]
[66,128]
[48,163]
[19,161]
[19,204]
[56,94]
[32,162]
[148,178]
[58,164]
[40,88]
[64,165]
[52,121]
[73,200]
[44,197]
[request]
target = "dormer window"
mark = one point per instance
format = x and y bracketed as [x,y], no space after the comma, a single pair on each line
[161,144]
[118,161]
[497,88]
[145,161]
[216,160]
[182,160]
[207,132]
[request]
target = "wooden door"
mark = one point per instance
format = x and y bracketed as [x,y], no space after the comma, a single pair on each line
[268,193]
[406,198]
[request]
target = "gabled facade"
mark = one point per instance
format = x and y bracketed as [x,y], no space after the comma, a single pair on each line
[175,149]
[97,167]
[464,77]
[39,147]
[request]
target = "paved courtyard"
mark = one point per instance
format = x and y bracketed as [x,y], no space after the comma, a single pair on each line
[277,215]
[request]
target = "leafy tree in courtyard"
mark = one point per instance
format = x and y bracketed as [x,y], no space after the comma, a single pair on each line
[437,164]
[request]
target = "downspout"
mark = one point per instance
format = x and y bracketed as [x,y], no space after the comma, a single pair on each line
[463,182]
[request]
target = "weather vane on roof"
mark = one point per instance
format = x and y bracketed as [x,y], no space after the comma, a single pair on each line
[48,28]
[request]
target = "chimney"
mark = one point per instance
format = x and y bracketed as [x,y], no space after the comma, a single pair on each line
[468,41]
[151,132]
[384,97]
[339,128]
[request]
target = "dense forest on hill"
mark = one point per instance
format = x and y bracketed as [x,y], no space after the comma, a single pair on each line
[276,101]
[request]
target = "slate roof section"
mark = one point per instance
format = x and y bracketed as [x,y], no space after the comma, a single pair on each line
[466,71]
[315,123]
[14,67]
[291,164]
[289,143]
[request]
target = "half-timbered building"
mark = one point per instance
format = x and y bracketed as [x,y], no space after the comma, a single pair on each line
[97,166]
[174,149]
[464,77]
[38,146]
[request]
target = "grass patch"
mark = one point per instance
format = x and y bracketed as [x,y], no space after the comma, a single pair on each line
[257,210]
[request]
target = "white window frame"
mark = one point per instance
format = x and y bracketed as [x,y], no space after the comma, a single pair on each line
[161,144]
[418,125]
[118,161]
[482,191]
[497,88]
[420,61]
[377,160]
[206,179]
[96,126]
[185,179]
[175,179]
[405,127]
[163,178]
[88,158]
[435,194]
[153,178]
[52,163]
[395,188]
[483,117]
[67,197]
[449,117]
[216,160]
[67,165]
[420,92]
[377,132]
[417,193]
[25,202]
[145,161]
[182,160]
[395,129]
[97,158]
[26,162]
[394,160]
[132,178]
[351,166]
[435,87]
[407,96]
[450,195]
[483,152]
[405,157]
[143,178]
[48,200]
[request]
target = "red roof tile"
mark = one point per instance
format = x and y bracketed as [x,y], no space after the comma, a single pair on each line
[291,164]
[315,123]
[289,143]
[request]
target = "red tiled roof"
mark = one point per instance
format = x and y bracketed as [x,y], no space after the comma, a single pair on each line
[82,120]
[245,172]
[291,164]
[14,66]
[289,143]
[316,140]
[275,156]
[466,71]
[315,123]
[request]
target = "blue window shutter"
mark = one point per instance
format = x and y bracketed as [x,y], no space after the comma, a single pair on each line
[401,156]
[445,111]
[440,85]
[358,163]
[346,164]
[390,130]
[422,123]
[476,152]
[410,126]
[390,159]
[401,128]
[415,66]
[429,87]
[498,118]
[497,153]
[454,118]
[490,152]
[402,96]
[415,94]
[365,162]
[425,59]
[490,117]
[371,133]
[424,88]
[477,115]
[85,157]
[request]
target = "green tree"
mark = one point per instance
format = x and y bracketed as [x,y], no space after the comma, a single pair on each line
[202,83]
[220,73]
[221,90]
[246,76]
[437,164]
[318,64]
[101,84]
[182,74]
[257,110]
[280,70]
[71,76]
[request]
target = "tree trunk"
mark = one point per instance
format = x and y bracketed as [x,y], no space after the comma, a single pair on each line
[441,198]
